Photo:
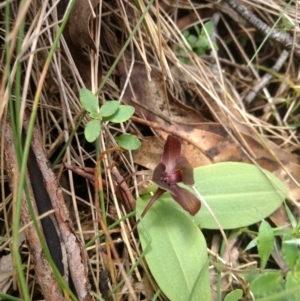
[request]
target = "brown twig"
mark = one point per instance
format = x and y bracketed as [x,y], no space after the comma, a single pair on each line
[170,129]
[265,80]
[49,286]
[76,255]
[129,201]
[121,189]
[85,172]
[283,38]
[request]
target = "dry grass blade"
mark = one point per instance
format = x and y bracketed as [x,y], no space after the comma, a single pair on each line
[175,87]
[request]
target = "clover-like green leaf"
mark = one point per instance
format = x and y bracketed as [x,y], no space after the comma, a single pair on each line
[89,100]
[234,295]
[209,26]
[192,39]
[92,130]
[128,141]
[122,114]
[109,108]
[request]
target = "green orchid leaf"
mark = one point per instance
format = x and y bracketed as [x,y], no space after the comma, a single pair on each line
[109,108]
[239,194]
[122,114]
[128,141]
[265,242]
[89,100]
[92,130]
[176,254]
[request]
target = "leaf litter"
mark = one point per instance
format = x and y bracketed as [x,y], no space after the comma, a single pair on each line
[201,102]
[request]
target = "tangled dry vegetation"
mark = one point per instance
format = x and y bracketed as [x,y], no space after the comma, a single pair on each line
[236,102]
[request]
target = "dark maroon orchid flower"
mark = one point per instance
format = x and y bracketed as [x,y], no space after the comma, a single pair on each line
[173,169]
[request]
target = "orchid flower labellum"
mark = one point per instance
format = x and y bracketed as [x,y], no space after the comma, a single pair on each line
[173,169]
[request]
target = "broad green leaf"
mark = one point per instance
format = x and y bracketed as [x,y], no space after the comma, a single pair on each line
[290,252]
[128,142]
[92,130]
[235,295]
[122,114]
[266,284]
[265,242]
[239,194]
[109,108]
[291,282]
[296,269]
[88,100]
[176,255]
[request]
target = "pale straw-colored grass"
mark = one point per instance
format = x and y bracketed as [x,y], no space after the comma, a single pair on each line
[218,82]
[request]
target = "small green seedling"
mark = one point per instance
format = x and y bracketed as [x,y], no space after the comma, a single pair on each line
[111,111]
[278,284]
[199,43]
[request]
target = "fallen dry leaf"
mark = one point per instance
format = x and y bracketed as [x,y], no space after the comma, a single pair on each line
[79,24]
[7,269]
[6,272]
[78,38]
[149,153]
[151,99]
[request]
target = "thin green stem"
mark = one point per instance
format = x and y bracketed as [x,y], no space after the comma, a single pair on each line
[22,159]
[9,298]
[14,108]
[100,191]
[267,37]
